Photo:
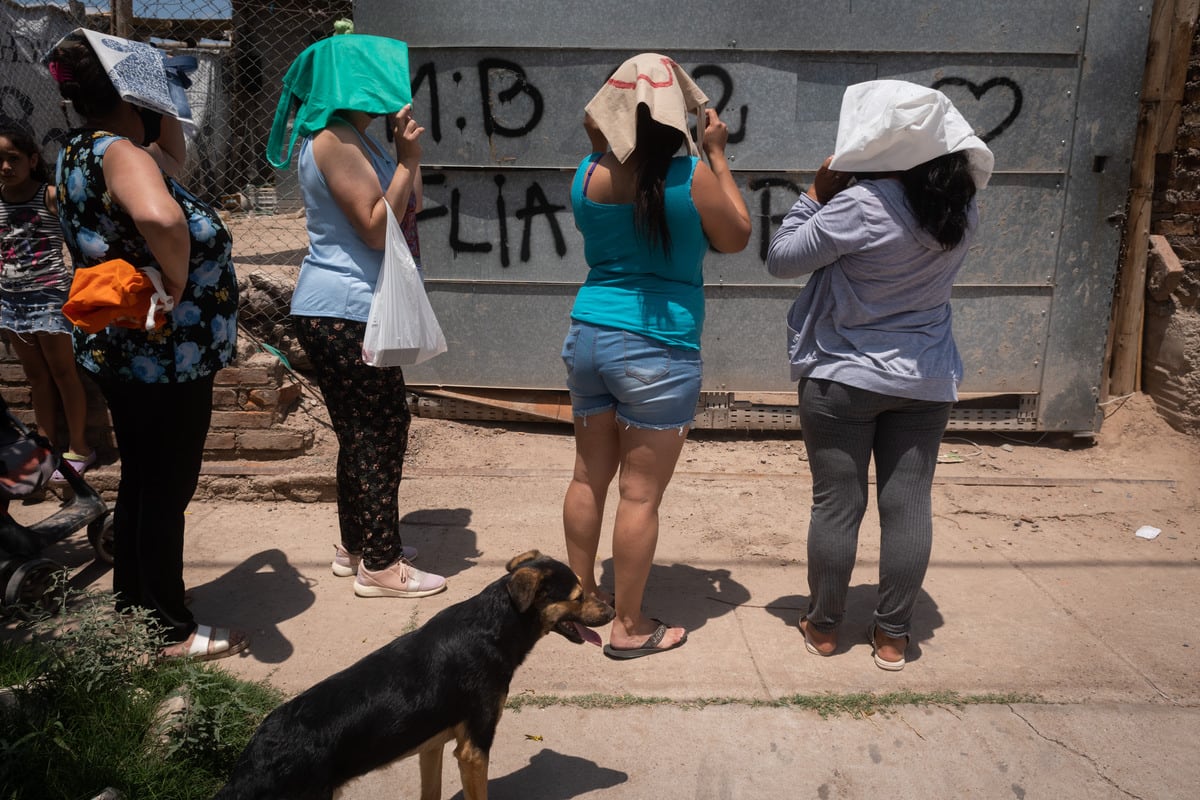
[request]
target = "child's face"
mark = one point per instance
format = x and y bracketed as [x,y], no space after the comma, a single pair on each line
[15,166]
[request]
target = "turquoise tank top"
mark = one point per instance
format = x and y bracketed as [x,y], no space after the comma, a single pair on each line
[633,285]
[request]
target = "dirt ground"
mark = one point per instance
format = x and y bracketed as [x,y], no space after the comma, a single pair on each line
[1038,587]
[1138,470]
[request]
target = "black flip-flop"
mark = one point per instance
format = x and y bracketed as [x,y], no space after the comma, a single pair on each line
[649,647]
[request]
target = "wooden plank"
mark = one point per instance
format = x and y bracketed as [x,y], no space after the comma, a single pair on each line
[1124,374]
[1179,50]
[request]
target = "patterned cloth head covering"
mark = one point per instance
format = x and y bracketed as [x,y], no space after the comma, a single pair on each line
[657,82]
[141,73]
[892,126]
[349,72]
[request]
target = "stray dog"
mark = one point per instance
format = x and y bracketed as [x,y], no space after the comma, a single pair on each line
[446,680]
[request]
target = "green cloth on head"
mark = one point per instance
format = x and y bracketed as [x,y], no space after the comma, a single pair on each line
[351,72]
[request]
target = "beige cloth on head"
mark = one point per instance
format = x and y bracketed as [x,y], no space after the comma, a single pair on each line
[892,126]
[656,81]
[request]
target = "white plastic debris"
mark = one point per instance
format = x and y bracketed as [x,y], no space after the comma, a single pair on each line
[1147,532]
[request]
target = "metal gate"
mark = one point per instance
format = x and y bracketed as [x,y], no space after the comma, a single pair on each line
[1051,85]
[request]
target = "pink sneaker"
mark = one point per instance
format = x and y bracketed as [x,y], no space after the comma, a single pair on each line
[399,580]
[346,564]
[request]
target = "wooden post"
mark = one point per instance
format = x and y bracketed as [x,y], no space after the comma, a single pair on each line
[122,18]
[1172,25]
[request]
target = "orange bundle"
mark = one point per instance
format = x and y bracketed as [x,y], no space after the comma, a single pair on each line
[117,293]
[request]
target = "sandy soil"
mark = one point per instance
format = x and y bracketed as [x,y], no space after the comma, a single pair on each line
[1137,471]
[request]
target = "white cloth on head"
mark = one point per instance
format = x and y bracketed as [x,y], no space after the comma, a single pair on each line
[892,126]
[139,72]
[657,82]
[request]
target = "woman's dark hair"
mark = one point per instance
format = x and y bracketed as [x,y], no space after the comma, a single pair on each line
[82,79]
[939,192]
[22,139]
[656,144]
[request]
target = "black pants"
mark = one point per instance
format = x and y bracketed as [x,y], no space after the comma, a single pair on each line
[160,430]
[369,410]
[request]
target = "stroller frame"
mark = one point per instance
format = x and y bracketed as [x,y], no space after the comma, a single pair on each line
[26,577]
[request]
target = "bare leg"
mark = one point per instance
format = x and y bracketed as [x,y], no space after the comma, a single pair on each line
[41,384]
[648,460]
[60,357]
[597,455]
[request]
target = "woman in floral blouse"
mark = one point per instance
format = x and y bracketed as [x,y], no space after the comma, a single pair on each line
[118,198]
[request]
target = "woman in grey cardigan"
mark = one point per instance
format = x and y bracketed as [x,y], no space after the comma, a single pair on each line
[882,232]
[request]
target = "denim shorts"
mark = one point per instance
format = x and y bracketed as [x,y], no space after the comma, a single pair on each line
[36,311]
[650,384]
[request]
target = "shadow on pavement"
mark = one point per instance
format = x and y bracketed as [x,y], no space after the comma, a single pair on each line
[551,776]
[280,593]
[674,591]
[860,607]
[449,528]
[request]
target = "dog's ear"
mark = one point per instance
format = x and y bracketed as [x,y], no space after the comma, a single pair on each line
[523,586]
[521,559]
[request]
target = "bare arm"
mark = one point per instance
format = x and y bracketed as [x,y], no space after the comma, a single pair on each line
[136,183]
[723,214]
[352,180]
[169,150]
[51,198]
[419,190]
[597,139]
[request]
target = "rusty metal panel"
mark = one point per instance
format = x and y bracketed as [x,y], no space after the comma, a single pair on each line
[1050,85]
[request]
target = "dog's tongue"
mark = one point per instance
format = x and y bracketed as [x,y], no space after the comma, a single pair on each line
[587,633]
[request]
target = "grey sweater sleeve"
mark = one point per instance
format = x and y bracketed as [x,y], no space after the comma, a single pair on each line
[813,235]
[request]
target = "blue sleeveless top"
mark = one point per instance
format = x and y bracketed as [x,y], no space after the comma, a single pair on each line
[338,276]
[633,285]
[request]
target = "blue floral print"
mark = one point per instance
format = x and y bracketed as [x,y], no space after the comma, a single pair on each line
[91,244]
[199,336]
[187,313]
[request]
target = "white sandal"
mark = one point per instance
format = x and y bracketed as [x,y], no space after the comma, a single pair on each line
[890,666]
[210,643]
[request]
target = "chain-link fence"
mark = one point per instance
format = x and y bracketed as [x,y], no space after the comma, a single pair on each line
[243,48]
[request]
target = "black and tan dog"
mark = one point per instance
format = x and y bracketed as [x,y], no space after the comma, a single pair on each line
[446,680]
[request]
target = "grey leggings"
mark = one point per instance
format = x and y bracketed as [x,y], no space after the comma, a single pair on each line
[843,426]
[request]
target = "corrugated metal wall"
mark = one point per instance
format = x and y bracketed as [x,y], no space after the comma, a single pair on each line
[1052,87]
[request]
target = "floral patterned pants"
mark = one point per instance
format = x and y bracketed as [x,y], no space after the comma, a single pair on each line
[369,410]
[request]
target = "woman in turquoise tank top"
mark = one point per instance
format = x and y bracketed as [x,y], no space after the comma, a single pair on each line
[632,351]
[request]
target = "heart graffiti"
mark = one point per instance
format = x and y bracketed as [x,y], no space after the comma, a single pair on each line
[980,89]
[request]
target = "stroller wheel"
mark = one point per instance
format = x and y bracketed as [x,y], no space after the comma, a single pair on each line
[7,567]
[31,587]
[100,534]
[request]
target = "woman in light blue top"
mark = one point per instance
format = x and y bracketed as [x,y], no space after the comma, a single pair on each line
[871,343]
[632,351]
[348,180]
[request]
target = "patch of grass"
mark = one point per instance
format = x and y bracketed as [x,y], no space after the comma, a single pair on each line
[86,710]
[860,704]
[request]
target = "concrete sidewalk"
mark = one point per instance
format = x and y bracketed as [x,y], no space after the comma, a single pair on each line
[1079,616]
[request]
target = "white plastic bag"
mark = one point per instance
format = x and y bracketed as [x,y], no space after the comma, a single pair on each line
[401,328]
